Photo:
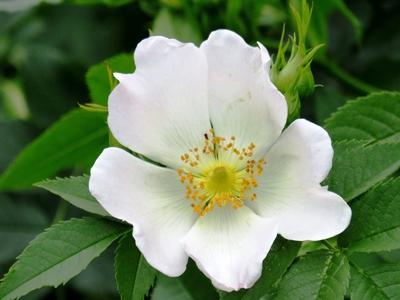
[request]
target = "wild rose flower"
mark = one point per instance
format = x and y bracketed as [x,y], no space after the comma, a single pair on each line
[232,179]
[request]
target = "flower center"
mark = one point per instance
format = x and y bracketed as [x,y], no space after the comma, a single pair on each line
[219,174]
[220,180]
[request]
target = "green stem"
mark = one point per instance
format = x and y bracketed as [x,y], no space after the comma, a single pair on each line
[342,74]
[61,211]
[328,245]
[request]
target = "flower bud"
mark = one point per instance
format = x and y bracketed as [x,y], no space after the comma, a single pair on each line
[293,76]
[306,83]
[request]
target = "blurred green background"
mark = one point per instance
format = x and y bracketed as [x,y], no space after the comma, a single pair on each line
[46,47]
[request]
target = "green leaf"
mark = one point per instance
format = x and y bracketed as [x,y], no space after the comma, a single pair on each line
[20,222]
[280,257]
[175,26]
[100,79]
[390,256]
[77,138]
[318,275]
[310,246]
[358,166]
[58,254]
[76,191]
[375,224]
[366,135]
[192,285]
[373,280]
[134,275]
[375,117]
[168,288]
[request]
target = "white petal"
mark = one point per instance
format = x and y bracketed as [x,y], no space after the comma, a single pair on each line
[304,214]
[310,143]
[242,100]
[289,188]
[161,110]
[304,148]
[230,245]
[265,58]
[150,198]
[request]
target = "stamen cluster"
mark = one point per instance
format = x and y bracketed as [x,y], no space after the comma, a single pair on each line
[215,174]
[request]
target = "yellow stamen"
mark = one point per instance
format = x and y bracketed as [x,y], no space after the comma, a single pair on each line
[211,180]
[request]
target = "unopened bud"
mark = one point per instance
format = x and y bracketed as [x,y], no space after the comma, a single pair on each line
[293,76]
[306,83]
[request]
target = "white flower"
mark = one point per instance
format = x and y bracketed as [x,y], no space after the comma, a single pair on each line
[232,180]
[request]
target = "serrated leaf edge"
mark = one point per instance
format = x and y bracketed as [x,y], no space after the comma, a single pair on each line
[37,239]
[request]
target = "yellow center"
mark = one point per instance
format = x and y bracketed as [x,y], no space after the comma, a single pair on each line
[219,174]
[220,180]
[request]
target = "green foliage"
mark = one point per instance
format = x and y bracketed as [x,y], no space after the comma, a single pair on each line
[134,275]
[373,280]
[318,275]
[310,246]
[76,191]
[293,76]
[100,79]
[41,75]
[373,118]
[366,133]
[358,166]
[366,136]
[192,285]
[58,254]
[91,2]
[175,26]
[280,257]
[172,289]
[77,138]
[375,222]
[10,5]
